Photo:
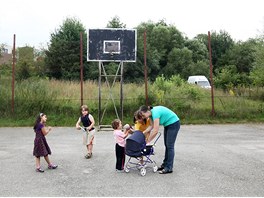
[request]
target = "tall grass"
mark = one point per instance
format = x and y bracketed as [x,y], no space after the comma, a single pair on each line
[61,100]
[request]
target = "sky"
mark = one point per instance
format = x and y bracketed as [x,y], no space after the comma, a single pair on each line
[33,21]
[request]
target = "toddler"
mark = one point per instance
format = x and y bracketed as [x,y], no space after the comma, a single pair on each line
[120,140]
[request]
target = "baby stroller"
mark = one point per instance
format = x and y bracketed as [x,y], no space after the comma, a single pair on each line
[137,149]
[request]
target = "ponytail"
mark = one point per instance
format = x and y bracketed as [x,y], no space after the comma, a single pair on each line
[38,119]
[145,108]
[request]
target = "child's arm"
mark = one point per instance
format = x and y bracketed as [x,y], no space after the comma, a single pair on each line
[149,128]
[126,132]
[128,128]
[78,124]
[131,130]
[44,131]
[155,130]
[91,118]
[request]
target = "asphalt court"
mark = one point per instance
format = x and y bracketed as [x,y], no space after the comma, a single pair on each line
[210,160]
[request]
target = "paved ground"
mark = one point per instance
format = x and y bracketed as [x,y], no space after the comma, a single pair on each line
[211,160]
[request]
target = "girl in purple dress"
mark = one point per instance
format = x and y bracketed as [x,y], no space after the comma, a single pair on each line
[41,147]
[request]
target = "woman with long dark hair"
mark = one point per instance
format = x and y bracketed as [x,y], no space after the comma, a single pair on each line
[161,115]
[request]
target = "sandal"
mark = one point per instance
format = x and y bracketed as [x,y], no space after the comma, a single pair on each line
[88,156]
[39,170]
[52,166]
[164,171]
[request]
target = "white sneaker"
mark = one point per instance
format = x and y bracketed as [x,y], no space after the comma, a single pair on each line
[119,171]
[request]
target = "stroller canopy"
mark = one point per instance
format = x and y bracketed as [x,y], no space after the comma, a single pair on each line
[135,144]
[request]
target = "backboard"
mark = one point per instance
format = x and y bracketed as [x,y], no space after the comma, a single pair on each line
[112,44]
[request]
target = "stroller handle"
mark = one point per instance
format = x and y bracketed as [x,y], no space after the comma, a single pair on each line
[159,134]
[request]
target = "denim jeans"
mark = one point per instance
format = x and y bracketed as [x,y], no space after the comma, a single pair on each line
[170,135]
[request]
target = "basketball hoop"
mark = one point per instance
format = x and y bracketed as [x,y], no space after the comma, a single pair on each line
[112,44]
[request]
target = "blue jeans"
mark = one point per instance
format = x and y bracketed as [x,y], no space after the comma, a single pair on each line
[170,135]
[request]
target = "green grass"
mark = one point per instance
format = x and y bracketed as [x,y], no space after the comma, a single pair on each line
[60,100]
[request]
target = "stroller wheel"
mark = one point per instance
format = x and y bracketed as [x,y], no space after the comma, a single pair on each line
[155,168]
[127,169]
[143,172]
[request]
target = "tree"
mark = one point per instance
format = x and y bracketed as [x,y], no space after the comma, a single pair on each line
[227,78]
[199,68]
[200,54]
[115,23]
[152,56]
[241,55]
[257,72]
[198,48]
[220,43]
[39,64]
[25,63]
[63,54]
[178,62]
[161,40]
[23,71]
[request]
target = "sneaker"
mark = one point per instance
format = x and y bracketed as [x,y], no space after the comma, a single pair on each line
[160,168]
[52,166]
[119,171]
[164,171]
[39,170]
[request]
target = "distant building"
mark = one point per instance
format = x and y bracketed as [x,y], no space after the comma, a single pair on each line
[6,55]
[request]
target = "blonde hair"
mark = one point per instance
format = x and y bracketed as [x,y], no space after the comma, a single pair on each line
[84,107]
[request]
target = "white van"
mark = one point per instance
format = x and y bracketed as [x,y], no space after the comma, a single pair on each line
[202,81]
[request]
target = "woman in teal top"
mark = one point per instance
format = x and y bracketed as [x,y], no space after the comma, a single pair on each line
[161,115]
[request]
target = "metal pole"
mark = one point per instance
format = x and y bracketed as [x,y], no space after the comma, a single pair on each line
[211,73]
[145,68]
[99,96]
[13,73]
[121,90]
[81,66]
